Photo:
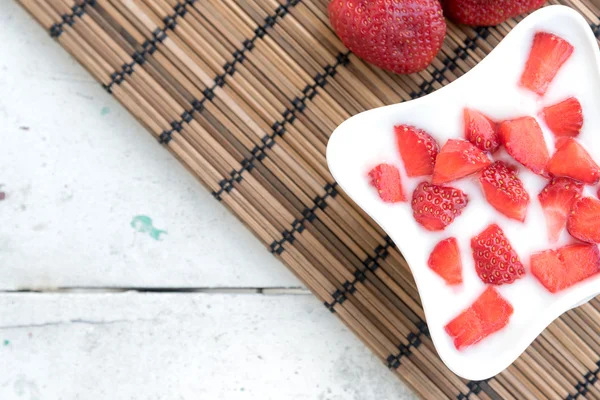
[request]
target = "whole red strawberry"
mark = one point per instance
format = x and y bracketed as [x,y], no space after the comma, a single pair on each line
[487,12]
[402,36]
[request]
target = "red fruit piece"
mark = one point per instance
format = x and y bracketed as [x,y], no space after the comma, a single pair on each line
[445,261]
[564,118]
[402,36]
[504,190]
[481,130]
[386,179]
[417,149]
[584,220]
[571,160]
[556,199]
[548,53]
[524,141]
[435,207]
[496,262]
[488,314]
[465,329]
[457,159]
[562,268]
[487,12]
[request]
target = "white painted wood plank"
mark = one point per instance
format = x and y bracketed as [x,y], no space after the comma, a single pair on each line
[77,169]
[187,346]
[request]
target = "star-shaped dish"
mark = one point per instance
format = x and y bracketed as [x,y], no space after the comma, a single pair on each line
[367,139]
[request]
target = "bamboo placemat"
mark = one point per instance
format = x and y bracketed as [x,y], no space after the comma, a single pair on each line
[245,94]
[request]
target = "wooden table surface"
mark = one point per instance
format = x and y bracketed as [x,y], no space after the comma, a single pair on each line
[122,278]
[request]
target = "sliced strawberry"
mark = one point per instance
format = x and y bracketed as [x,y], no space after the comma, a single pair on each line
[445,261]
[573,161]
[584,220]
[556,199]
[435,207]
[488,314]
[465,329]
[548,53]
[504,190]
[496,262]
[548,268]
[386,179]
[457,159]
[564,118]
[481,130]
[417,149]
[493,311]
[524,141]
[562,268]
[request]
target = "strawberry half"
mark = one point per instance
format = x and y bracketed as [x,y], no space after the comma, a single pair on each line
[564,118]
[562,268]
[402,36]
[417,149]
[487,12]
[556,199]
[481,130]
[445,261]
[386,179]
[435,207]
[524,141]
[584,220]
[496,262]
[488,314]
[572,161]
[504,190]
[548,53]
[457,159]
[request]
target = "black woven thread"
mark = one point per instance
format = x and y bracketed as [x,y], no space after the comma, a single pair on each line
[414,341]
[596,30]
[150,45]
[308,215]
[259,152]
[590,378]
[208,94]
[69,19]
[170,21]
[369,264]
[474,388]
[460,52]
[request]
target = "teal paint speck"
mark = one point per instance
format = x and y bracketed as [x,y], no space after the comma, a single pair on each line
[143,224]
[104,111]
[6,342]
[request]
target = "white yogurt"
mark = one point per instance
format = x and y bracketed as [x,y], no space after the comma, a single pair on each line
[492,88]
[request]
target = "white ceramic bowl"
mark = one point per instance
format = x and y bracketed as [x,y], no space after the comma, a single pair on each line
[367,139]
